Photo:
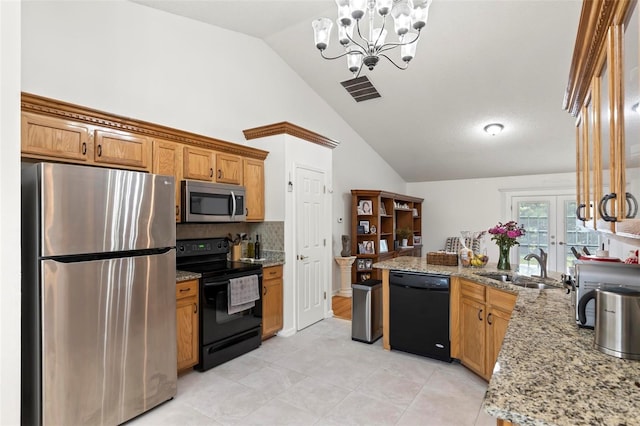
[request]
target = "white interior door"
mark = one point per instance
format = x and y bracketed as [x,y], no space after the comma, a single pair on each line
[310,244]
[550,224]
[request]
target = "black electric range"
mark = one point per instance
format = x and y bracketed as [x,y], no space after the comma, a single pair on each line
[223,335]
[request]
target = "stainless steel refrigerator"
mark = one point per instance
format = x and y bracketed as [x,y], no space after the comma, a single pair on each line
[98,294]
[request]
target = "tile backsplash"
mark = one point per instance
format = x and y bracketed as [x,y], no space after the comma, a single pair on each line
[271,233]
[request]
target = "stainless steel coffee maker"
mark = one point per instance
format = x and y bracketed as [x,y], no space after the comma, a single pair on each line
[591,275]
[617,316]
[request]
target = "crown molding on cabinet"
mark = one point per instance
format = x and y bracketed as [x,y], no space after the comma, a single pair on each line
[595,19]
[51,107]
[290,129]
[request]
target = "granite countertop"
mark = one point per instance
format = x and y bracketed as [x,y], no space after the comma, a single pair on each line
[548,372]
[266,263]
[419,264]
[186,276]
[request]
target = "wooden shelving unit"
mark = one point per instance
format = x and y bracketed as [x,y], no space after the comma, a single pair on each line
[384,213]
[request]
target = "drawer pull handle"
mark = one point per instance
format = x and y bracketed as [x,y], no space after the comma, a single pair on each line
[210,172]
[480,314]
[264,291]
[177,210]
[84,148]
[99,150]
[182,290]
[219,174]
[195,308]
[489,319]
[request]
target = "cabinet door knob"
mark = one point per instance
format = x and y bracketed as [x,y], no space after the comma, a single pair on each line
[264,291]
[210,172]
[99,150]
[84,148]
[219,173]
[489,319]
[195,308]
[177,210]
[480,314]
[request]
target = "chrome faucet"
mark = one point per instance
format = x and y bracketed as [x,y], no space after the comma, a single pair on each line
[542,260]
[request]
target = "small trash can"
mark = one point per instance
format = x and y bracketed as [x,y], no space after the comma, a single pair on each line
[366,311]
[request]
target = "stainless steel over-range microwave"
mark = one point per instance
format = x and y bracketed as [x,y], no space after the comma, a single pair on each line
[212,202]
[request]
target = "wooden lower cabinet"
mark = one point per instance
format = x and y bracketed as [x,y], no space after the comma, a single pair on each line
[483,316]
[271,301]
[187,308]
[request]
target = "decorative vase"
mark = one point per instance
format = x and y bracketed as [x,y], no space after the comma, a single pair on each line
[503,260]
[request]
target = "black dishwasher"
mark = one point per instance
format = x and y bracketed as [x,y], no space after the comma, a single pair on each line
[419,314]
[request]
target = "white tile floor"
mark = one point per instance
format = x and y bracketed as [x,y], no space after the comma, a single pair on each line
[320,376]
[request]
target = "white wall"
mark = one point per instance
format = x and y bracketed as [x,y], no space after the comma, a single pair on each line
[10,212]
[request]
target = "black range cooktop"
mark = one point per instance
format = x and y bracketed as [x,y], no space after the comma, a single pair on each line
[208,256]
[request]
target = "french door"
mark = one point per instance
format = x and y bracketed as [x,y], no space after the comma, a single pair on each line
[550,225]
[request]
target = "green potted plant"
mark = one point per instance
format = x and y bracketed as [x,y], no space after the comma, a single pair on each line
[403,234]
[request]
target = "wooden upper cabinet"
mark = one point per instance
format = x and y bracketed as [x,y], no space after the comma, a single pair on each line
[253,172]
[603,89]
[628,224]
[122,149]
[228,168]
[198,164]
[167,160]
[55,137]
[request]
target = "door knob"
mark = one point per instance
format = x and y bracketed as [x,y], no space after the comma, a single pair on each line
[301,257]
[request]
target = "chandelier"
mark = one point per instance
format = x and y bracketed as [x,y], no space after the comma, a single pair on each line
[369,43]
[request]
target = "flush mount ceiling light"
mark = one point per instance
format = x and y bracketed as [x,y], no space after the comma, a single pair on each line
[368,45]
[493,128]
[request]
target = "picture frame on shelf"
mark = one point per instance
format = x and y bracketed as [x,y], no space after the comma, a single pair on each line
[383,246]
[365,207]
[360,264]
[415,212]
[368,247]
[364,224]
[361,248]
[368,263]
[372,230]
[417,239]
[383,209]
[365,276]
[361,230]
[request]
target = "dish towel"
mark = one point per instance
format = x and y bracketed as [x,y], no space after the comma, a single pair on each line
[243,292]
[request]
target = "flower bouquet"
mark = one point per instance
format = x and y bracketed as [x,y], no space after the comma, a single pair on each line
[505,235]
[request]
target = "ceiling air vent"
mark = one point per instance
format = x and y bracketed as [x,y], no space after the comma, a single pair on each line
[361,89]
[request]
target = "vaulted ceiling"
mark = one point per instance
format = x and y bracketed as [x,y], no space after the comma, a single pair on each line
[477,62]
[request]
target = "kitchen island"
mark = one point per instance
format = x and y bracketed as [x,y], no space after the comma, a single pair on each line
[547,371]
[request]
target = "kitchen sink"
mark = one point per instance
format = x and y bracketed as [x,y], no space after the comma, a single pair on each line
[495,276]
[519,280]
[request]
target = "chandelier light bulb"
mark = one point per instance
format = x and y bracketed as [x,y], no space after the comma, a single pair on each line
[493,128]
[384,6]
[321,32]
[358,8]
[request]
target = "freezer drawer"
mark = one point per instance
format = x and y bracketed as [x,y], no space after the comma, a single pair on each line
[108,338]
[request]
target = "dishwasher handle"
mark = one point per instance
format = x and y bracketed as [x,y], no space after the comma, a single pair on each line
[420,281]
